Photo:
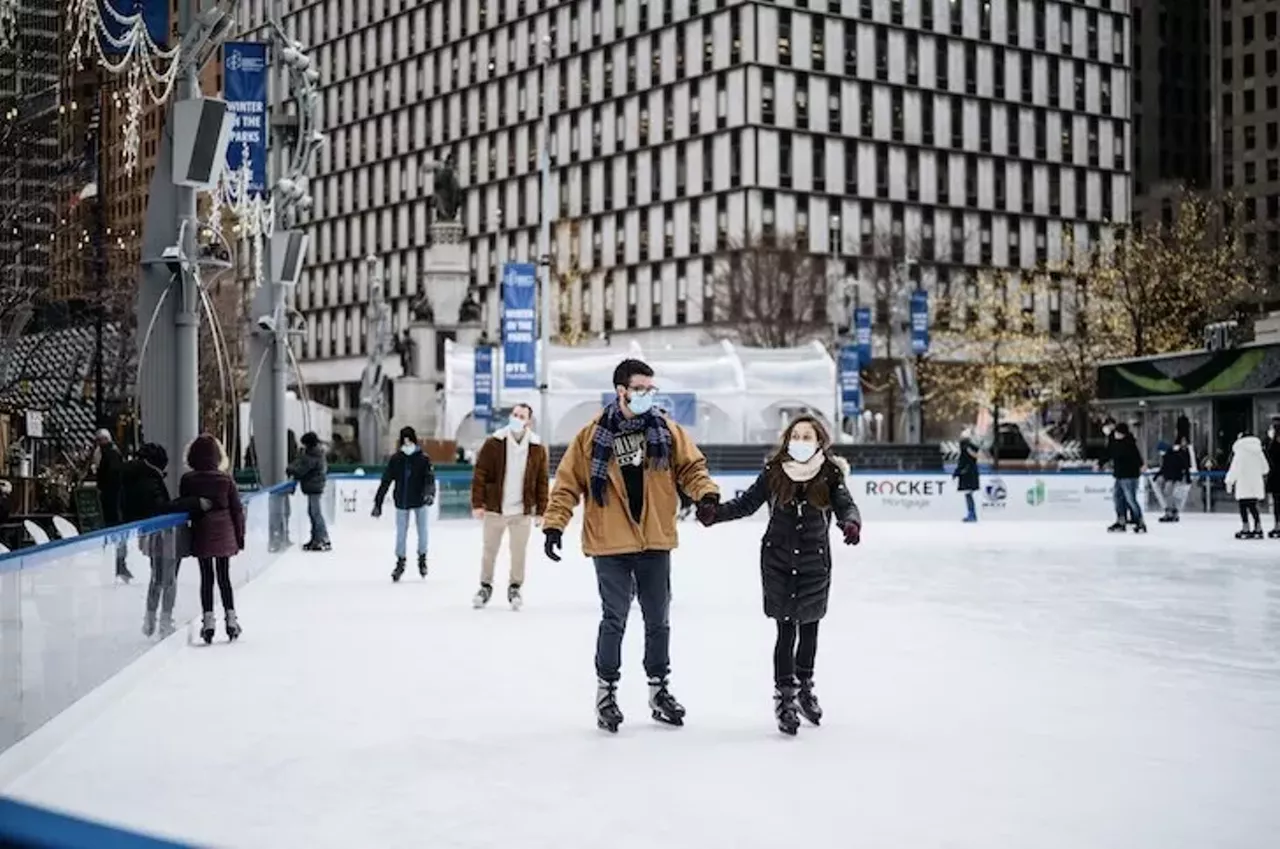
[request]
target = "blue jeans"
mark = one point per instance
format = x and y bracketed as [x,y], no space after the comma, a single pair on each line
[1125,495]
[319,531]
[620,577]
[402,529]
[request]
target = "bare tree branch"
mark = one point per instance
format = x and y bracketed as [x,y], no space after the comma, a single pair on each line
[772,292]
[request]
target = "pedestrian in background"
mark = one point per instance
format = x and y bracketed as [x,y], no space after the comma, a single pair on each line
[966,473]
[217,535]
[410,470]
[311,470]
[107,474]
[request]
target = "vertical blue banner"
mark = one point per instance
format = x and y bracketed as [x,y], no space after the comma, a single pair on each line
[850,382]
[519,325]
[919,322]
[155,14]
[482,407]
[244,69]
[862,333]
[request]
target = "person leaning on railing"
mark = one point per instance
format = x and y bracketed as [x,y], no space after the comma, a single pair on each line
[144,495]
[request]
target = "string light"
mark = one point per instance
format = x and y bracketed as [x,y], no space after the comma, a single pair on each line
[123,47]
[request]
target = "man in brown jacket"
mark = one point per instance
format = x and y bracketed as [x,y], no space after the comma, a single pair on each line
[630,466]
[509,492]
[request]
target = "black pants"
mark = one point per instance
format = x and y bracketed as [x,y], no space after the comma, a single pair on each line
[791,661]
[1249,510]
[223,567]
[647,576]
[1275,506]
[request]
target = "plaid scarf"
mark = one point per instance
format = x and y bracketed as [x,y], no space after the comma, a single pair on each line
[612,423]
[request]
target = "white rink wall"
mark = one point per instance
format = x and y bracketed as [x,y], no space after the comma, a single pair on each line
[881,496]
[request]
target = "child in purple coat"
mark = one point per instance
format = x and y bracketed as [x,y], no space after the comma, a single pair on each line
[218,534]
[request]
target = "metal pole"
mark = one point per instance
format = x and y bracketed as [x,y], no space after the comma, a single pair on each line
[187,320]
[99,265]
[544,251]
[499,349]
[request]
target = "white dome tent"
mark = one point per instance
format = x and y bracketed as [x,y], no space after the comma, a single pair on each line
[743,395]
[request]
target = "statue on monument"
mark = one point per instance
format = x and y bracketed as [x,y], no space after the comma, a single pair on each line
[469,312]
[448,191]
[407,348]
[423,311]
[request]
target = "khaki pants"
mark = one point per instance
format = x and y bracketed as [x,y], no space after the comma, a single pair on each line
[494,526]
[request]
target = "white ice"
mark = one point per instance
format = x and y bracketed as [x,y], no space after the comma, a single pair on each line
[990,686]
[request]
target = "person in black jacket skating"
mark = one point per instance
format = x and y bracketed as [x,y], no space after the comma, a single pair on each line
[1127,466]
[804,487]
[415,489]
[107,475]
[144,495]
[1272,448]
[1174,478]
[311,470]
[966,473]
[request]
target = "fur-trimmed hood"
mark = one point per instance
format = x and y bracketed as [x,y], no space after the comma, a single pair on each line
[839,462]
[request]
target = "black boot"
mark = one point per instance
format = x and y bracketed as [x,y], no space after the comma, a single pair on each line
[399,570]
[422,565]
[1140,527]
[483,596]
[1117,528]
[608,714]
[664,705]
[807,701]
[784,708]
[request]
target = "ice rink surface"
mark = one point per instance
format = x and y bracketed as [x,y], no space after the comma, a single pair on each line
[1029,686]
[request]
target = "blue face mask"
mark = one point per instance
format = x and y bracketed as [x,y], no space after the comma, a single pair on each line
[802,452]
[640,404]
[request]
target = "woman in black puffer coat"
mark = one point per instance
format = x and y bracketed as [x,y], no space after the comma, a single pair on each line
[804,487]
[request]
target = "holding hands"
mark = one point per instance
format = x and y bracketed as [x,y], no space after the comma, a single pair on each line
[706,510]
[852,533]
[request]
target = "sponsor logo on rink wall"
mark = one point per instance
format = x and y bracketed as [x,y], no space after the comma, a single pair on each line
[879,496]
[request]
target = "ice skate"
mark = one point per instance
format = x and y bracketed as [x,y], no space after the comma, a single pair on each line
[514,598]
[1117,528]
[1256,533]
[123,575]
[608,715]
[807,701]
[1168,516]
[665,708]
[398,571]
[208,625]
[1274,533]
[784,708]
[233,625]
[422,565]
[148,623]
[482,597]
[166,626]
[1243,533]
[1140,527]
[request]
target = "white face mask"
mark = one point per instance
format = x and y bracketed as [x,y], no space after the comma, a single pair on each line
[517,425]
[1271,433]
[409,448]
[802,452]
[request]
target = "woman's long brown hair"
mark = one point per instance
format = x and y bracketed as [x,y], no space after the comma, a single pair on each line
[783,488]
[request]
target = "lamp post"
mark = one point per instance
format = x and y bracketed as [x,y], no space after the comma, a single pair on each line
[544,243]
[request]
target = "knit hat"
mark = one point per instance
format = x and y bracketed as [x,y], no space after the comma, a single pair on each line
[154,455]
[309,439]
[408,434]
[205,454]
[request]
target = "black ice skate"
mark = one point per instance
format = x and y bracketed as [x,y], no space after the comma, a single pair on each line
[482,597]
[807,701]
[1243,533]
[664,705]
[1256,533]
[1140,527]
[207,627]
[1274,533]
[233,625]
[1117,528]
[398,571]
[318,546]
[608,715]
[514,598]
[784,708]
[422,565]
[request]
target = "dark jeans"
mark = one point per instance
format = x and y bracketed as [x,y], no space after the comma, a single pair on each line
[646,575]
[319,530]
[789,661]
[164,584]
[222,565]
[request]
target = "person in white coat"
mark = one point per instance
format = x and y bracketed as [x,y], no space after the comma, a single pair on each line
[1246,479]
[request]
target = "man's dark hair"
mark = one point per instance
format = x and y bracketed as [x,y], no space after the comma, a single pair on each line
[1122,429]
[309,439]
[628,369]
[528,408]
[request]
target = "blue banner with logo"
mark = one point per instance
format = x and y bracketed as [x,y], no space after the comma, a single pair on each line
[919,322]
[850,382]
[244,69]
[155,14]
[681,407]
[519,325]
[862,334]
[482,407]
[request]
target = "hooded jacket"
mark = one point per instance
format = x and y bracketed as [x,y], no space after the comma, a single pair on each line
[1247,475]
[310,470]
[488,478]
[220,531]
[414,478]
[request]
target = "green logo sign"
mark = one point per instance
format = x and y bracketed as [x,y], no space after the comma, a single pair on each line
[1036,493]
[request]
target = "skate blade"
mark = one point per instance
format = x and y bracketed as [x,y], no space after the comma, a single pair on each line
[663,719]
[815,721]
[605,726]
[516,605]
[789,730]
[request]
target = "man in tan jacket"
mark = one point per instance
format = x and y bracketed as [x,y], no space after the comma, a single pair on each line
[509,492]
[630,466]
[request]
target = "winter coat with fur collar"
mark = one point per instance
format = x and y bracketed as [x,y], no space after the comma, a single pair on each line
[491,468]
[1249,467]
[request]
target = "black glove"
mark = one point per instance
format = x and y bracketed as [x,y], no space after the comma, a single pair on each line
[551,545]
[706,511]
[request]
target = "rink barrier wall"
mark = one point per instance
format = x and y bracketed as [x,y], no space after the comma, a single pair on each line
[881,496]
[68,626]
[28,826]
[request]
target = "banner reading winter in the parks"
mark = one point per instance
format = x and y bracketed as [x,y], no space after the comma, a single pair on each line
[919,322]
[519,325]
[850,382]
[482,407]
[862,333]
[245,86]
